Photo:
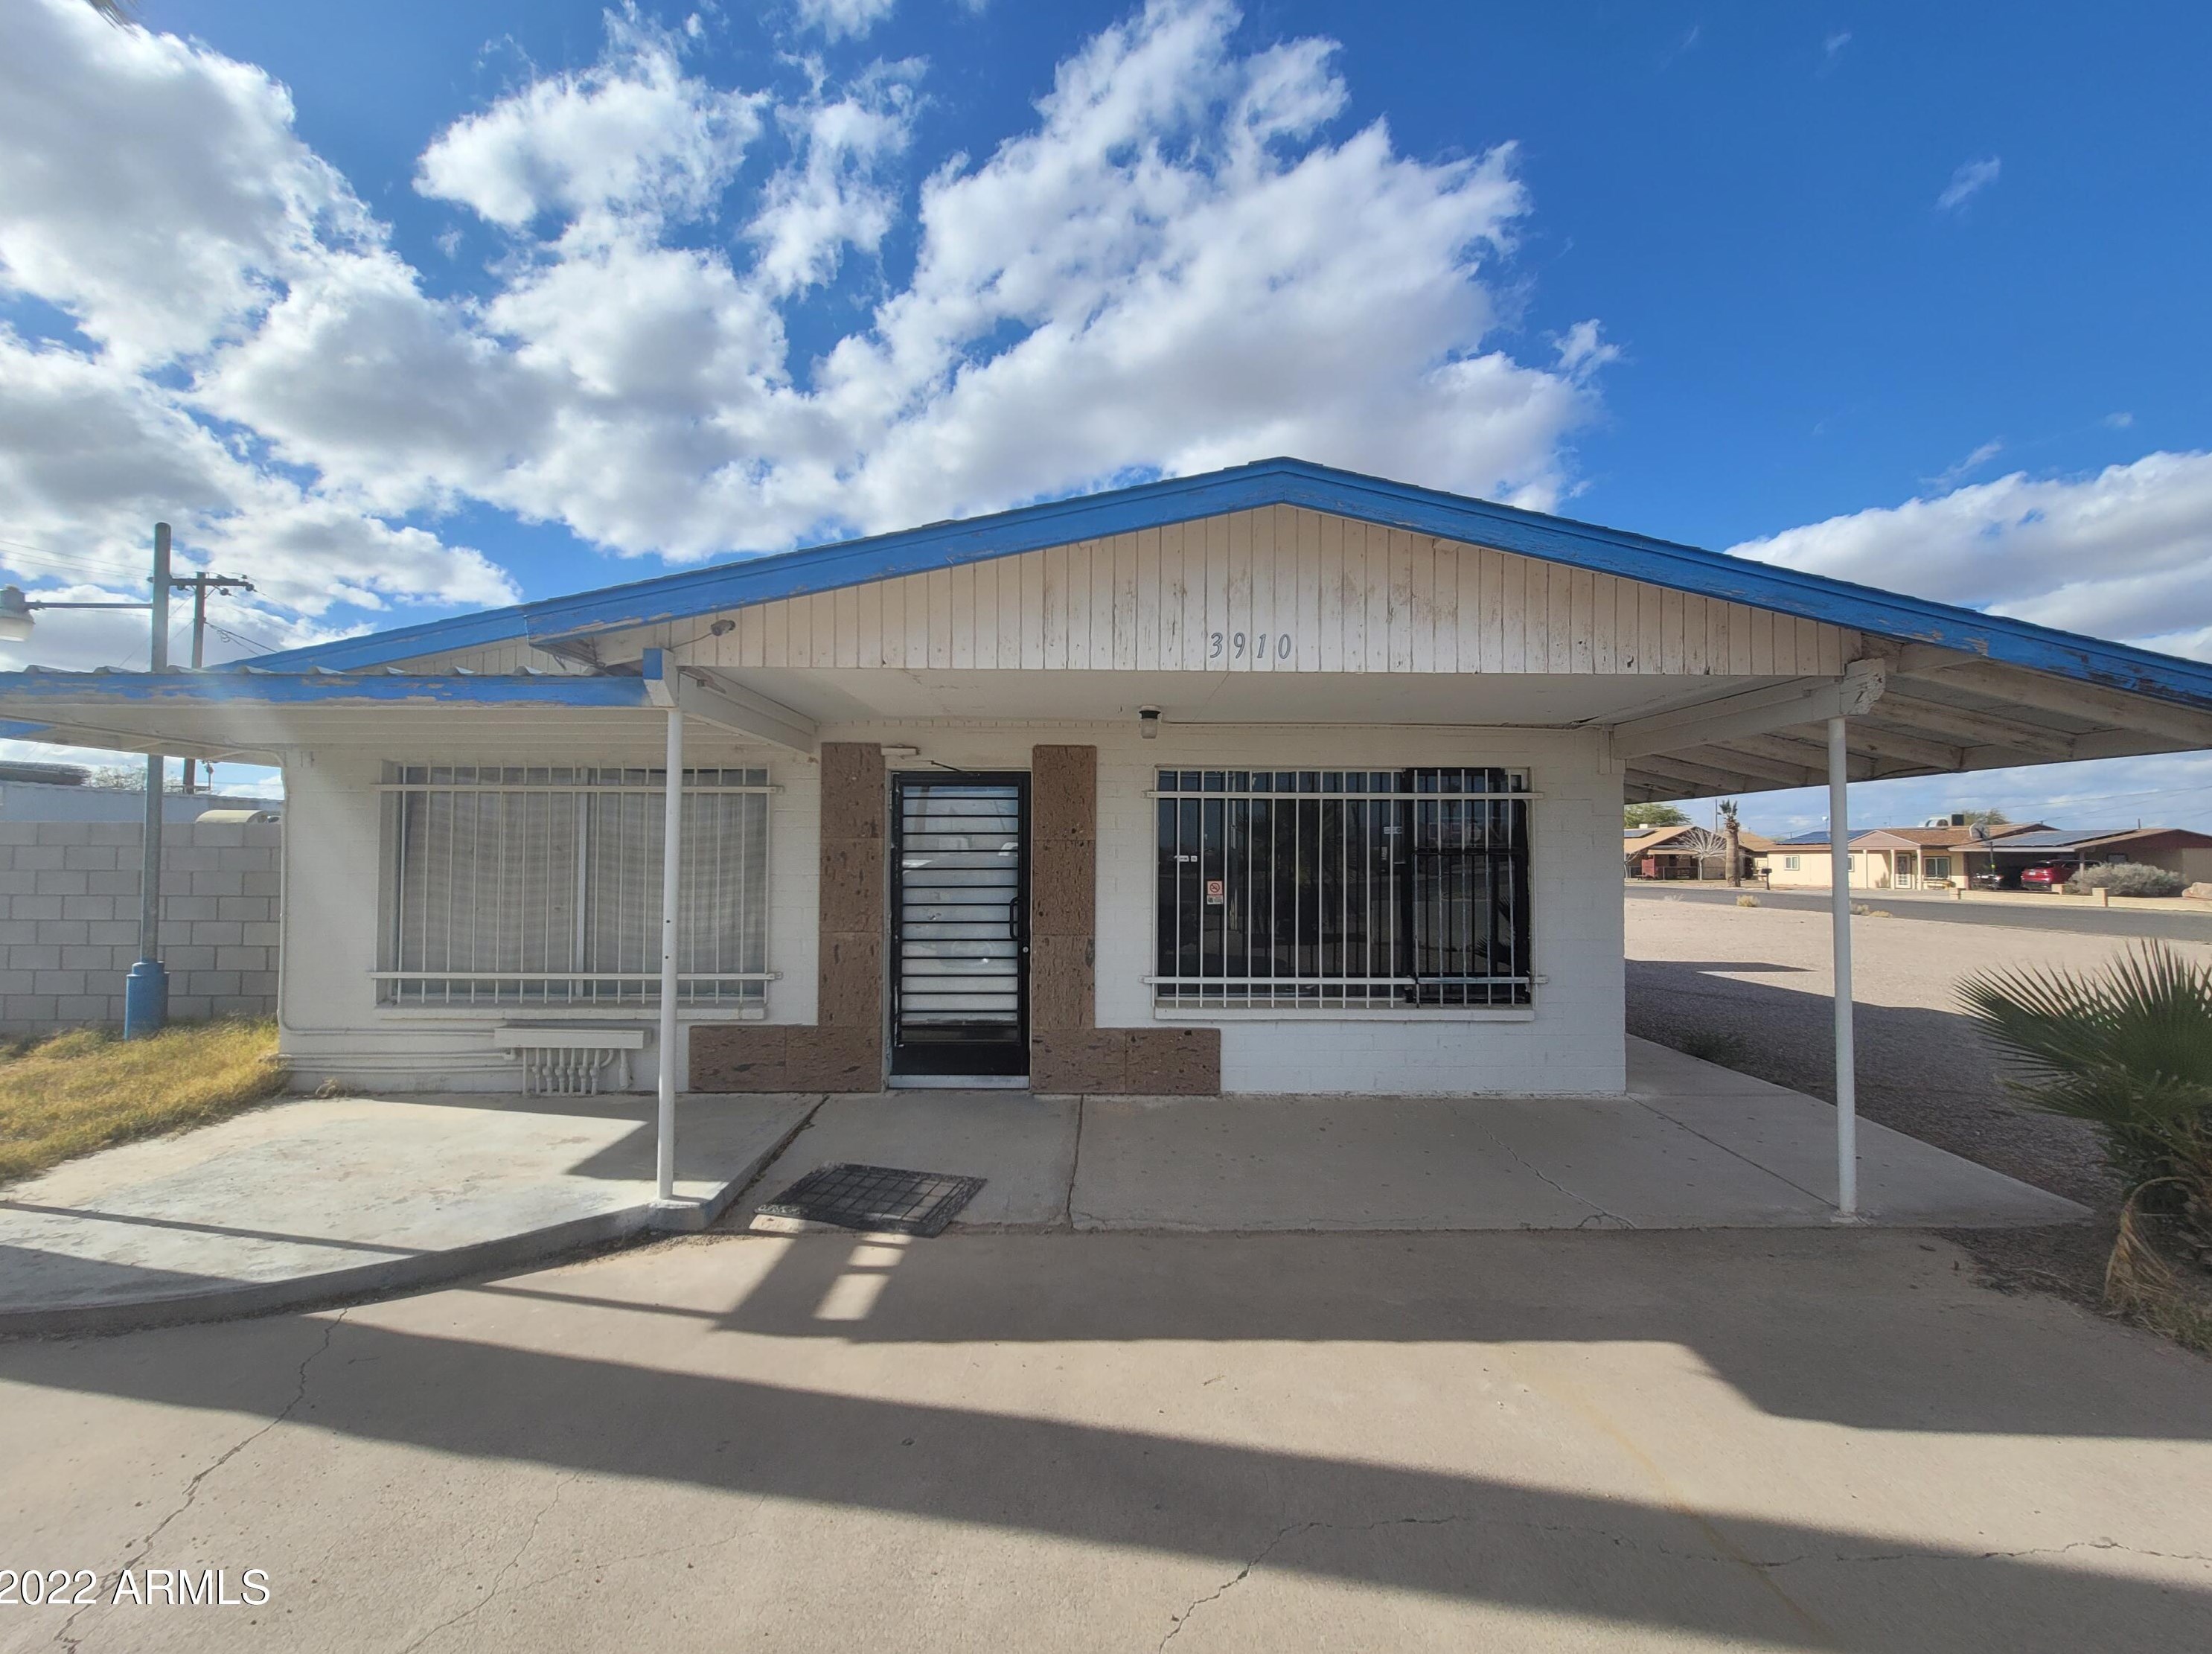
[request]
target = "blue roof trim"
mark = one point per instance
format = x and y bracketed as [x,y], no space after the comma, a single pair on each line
[1282,482]
[22,690]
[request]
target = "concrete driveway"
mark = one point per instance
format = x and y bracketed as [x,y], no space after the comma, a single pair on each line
[1780,1439]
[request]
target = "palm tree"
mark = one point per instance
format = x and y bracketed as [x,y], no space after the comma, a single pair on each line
[118,12]
[2129,1051]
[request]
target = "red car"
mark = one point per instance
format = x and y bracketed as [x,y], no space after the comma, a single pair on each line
[2049,876]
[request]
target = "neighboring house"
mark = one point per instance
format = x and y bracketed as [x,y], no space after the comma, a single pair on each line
[1895,858]
[1935,858]
[2174,848]
[1274,779]
[1688,852]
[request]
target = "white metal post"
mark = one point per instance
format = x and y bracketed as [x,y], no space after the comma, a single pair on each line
[672,868]
[1839,881]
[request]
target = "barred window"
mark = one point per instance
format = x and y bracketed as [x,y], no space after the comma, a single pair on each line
[511,885]
[1328,889]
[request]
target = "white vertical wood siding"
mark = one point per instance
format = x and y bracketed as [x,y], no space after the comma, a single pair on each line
[1306,592]
[1276,589]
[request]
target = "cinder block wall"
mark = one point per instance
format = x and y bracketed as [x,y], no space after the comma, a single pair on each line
[69,920]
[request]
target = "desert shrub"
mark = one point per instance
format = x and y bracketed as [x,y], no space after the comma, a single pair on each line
[1747,900]
[2127,879]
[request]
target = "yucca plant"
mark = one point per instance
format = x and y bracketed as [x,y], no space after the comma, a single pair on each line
[2129,1050]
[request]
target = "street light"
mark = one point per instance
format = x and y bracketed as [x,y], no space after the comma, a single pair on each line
[146,988]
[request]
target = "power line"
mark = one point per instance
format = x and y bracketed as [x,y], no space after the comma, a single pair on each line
[70,561]
[243,642]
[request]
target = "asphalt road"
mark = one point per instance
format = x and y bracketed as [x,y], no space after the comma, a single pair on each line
[1625,1443]
[2190,924]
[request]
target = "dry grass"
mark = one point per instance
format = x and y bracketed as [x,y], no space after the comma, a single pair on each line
[87,1089]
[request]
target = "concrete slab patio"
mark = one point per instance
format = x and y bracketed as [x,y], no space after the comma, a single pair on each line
[313,1200]
[317,1201]
[1691,1146]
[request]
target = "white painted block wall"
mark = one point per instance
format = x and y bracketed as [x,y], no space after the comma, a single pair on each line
[1573,1044]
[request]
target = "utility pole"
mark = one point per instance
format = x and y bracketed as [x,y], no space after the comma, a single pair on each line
[146,988]
[199,586]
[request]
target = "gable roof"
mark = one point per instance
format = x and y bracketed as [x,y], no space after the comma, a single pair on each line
[750,580]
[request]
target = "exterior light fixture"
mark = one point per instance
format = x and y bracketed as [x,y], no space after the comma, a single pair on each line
[15,621]
[1148,722]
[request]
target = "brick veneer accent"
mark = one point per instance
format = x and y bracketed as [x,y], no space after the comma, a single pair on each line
[1068,1052]
[844,1050]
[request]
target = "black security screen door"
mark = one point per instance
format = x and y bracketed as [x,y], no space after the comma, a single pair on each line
[960,924]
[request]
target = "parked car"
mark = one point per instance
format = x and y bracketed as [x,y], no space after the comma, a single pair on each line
[2049,876]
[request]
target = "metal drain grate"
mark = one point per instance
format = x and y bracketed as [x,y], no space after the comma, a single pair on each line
[876,1197]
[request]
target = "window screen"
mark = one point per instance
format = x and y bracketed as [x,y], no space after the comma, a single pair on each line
[1334,889]
[512,884]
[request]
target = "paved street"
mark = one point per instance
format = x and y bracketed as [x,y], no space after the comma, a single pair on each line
[2190,921]
[1816,1439]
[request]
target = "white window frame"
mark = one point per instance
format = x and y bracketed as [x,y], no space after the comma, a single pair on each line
[1254,1006]
[595,794]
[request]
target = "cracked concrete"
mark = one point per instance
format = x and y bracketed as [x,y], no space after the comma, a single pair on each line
[65,1637]
[1785,1439]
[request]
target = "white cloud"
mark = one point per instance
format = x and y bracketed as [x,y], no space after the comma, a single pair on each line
[1178,265]
[1958,472]
[90,456]
[2126,553]
[631,138]
[847,19]
[1831,46]
[833,195]
[153,188]
[195,211]
[1175,268]
[1971,176]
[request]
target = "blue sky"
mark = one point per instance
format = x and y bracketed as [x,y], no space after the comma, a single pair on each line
[1892,293]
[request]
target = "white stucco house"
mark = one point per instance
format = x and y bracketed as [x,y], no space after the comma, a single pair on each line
[1277,778]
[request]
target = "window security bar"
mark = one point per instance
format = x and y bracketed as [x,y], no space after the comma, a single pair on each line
[652,788]
[540,885]
[597,975]
[1343,889]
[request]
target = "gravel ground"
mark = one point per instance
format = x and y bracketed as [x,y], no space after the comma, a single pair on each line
[1749,987]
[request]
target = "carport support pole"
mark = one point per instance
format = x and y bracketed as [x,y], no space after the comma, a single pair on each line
[1839,895]
[672,868]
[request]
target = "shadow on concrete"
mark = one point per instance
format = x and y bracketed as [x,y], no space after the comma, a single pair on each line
[1924,1071]
[1716,1577]
[1830,1350]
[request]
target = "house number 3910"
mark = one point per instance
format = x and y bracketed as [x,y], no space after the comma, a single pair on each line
[1237,645]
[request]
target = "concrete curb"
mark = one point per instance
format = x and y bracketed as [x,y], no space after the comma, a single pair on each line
[389,1278]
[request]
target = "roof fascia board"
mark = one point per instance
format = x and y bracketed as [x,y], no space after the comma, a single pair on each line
[1297,483]
[22,691]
